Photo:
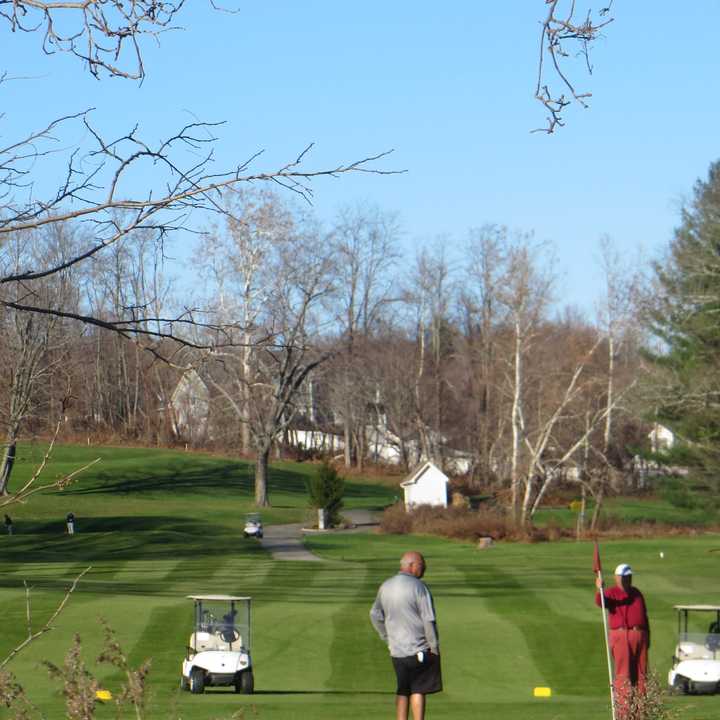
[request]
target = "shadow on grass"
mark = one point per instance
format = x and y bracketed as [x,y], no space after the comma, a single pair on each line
[174,477]
[123,538]
[228,478]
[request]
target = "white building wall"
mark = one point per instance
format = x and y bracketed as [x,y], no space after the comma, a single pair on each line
[430,488]
[661,438]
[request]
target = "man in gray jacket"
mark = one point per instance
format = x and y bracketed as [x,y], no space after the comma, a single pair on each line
[404,617]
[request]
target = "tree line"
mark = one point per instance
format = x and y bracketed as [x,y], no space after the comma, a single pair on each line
[467,353]
[294,324]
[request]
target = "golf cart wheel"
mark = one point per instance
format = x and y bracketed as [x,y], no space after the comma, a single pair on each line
[260,535]
[197,681]
[245,683]
[680,685]
[184,683]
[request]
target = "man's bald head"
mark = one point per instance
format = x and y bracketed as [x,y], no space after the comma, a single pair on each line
[413,563]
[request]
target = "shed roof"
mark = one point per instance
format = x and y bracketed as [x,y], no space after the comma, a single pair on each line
[416,474]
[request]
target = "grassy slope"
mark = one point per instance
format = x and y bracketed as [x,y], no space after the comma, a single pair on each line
[641,509]
[159,525]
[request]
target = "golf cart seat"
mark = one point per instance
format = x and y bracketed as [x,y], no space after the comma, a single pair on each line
[687,650]
[202,641]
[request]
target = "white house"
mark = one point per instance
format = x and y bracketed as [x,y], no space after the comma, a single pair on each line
[661,438]
[190,407]
[427,485]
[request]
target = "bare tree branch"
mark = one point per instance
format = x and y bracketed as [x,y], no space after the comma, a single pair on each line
[30,487]
[557,32]
[106,34]
[49,624]
[92,193]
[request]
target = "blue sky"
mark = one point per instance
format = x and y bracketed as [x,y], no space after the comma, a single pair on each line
[450,87]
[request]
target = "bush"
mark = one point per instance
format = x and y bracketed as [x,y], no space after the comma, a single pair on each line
[457,523]
[326,492]
[461,523]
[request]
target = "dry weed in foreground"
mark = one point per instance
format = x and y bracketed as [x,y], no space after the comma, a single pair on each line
[650,705]
[134,691]
[79,686]
[13,694]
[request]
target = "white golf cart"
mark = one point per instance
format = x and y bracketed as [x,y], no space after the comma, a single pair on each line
[253,526]
[219,649]
[696,662]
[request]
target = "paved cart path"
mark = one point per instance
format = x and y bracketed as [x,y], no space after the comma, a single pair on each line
[285,541]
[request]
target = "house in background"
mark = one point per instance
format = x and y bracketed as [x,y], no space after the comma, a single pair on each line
[427,485]
[190,408]
[661,438]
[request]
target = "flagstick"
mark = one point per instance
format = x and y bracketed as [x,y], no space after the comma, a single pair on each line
[607,645]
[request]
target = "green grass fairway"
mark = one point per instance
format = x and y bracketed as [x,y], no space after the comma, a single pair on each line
[157,526]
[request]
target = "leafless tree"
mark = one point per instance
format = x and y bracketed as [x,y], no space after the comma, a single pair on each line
[365,252]
[180,173]
[34,345]
[118,372]
[429,295]
[524,298]
[163,210]
[549,424]
[239,261]
[615,320]
[562,34]
[280,270]
[480,308]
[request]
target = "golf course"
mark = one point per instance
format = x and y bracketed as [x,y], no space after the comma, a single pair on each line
[156,526]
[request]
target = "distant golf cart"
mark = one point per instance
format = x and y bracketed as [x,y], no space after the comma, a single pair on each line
[253,526]
[696,662]
[219,649]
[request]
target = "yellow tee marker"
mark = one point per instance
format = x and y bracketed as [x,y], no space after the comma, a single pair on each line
[542,692]
[103,695]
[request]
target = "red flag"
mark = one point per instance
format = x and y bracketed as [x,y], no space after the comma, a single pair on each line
[597,566]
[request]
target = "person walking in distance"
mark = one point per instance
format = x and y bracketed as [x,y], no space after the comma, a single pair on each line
[629,635]
[70,522]
[8,524]
[404,616]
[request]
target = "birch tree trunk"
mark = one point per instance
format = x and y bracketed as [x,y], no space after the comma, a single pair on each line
[515,480]
[8,462]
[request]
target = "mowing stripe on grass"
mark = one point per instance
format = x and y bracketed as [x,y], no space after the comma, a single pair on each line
[516,602]
[358,658]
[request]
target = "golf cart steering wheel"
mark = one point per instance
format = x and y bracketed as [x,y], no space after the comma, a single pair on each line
[230,635]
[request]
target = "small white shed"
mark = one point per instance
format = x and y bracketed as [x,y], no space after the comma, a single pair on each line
[426,485]
[661,438]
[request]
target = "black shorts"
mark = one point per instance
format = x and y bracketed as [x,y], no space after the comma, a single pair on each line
[415,677]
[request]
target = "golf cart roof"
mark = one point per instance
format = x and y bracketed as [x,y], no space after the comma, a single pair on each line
[700,608]
[218,597]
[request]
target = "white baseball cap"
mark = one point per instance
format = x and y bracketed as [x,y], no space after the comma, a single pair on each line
[623,569]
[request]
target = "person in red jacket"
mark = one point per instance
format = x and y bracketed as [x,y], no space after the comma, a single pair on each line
[629,634]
